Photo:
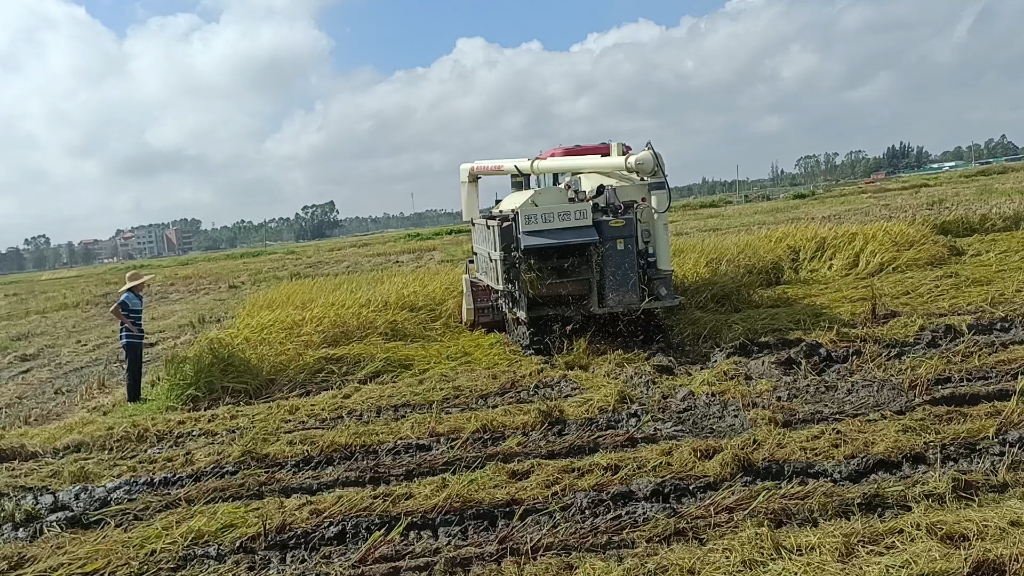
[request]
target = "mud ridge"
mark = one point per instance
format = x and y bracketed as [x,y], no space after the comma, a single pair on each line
[998,333]
[683,416]
[585,522]
[72,507]
[816,403]
[813,385]
[553,389]
[402,461]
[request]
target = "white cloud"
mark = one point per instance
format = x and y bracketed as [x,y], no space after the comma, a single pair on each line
[235,111]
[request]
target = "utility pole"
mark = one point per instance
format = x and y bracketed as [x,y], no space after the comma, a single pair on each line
[737,183]
[413,196]
[264,233]
[972,152]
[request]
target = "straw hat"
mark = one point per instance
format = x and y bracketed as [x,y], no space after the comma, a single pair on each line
[134,278]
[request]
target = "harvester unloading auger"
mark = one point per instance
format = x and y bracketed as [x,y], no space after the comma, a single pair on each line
[584,233]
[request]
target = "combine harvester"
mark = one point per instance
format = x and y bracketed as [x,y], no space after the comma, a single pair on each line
[583,235]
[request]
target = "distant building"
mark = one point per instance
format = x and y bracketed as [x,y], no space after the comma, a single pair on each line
[142,242]
[67,254]
[948,165]
[101,250]
[148,242]
[126,248]
[177,242]
[107,250]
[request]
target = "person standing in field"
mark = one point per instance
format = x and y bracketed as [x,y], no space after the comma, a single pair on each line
[128,311]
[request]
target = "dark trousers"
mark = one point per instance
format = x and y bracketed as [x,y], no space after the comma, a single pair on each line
[133,370]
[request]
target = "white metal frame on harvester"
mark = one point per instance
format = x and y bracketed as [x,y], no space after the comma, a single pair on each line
[645,164]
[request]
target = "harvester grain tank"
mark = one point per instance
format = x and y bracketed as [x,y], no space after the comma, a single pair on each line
[583,233]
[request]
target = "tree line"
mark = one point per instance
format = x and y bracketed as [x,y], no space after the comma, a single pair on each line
[854,165]
[312,222]
[318,221]
[40,253]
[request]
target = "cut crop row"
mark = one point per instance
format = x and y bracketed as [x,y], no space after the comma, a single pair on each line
[157,540]
[682,417]
[610,520]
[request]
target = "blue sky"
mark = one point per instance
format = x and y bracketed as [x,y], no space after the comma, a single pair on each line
[161,130]
[396,34]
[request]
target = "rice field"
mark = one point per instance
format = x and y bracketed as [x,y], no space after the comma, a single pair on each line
[842,395]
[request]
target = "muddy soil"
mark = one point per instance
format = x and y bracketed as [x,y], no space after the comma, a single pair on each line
[403,461]
[999,333]
[585,522]
[550,390]
[74,506]
[18,453]
[515,395]
[812,385]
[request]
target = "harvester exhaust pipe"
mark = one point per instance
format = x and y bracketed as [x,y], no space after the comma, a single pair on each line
[646,164]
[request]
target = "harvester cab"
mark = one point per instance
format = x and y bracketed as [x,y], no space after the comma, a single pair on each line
[583,233]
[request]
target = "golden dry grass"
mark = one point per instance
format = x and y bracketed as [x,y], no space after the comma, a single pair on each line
[304,336]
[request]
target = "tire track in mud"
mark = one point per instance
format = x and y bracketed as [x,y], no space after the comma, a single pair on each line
[598,522]
[833,393]
[816,385]
[999,333]
[550,390]
[402,461]
[81,507]
[829,395]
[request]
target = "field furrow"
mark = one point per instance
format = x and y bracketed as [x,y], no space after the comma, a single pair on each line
[676,417]
[674,510]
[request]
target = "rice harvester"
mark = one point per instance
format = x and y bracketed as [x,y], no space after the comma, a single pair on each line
[582,234]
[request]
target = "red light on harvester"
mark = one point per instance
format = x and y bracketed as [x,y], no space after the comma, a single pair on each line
[603,150]
[643,200]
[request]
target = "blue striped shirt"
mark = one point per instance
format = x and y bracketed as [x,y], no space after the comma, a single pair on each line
[131,306]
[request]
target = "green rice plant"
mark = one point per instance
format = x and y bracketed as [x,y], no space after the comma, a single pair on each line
[305,335]
[437,233]
[728,270]
[703,203]
[802,195]
[14,511]
[989,219]
[989,171]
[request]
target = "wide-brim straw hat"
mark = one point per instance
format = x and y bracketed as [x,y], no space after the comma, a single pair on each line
[134,278]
